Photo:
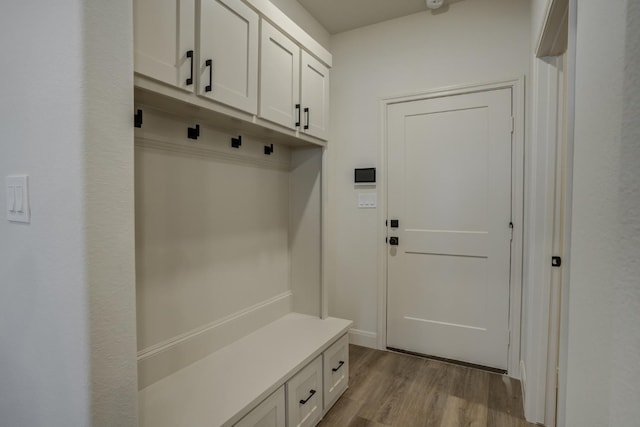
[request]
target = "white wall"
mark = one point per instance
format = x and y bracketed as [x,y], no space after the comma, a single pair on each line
[475,41]
[305,20]
[67,314]
[603,373]
[211,240]
[539,10]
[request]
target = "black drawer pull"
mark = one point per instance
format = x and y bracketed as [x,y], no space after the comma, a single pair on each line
[339,366]
[306,112]
[189,81]
[298,110]
[311,393]
[209,63]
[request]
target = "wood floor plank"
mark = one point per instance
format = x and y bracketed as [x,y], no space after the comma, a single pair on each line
[505,395]
[362,422]
[393,389]
[342,413]
[401,377]
[423,404]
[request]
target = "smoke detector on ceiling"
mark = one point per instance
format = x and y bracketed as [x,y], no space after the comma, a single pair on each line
[434,4]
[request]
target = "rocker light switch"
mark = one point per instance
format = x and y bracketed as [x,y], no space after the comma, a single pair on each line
[18,199]
[367,200]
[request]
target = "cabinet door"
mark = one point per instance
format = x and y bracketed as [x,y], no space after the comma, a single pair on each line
[270,413]
[164,31]
[315,97]
[279,78]
[304,396]
[229,54]
[336,370]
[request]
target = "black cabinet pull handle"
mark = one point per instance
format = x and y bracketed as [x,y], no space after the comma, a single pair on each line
[339,366]
[311,393]
[306,112]
[190,79]
[298,110]
[209,63]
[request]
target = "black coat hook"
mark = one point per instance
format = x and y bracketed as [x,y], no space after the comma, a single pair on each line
[268,149]
[137,119]
[193,133]
[236,142]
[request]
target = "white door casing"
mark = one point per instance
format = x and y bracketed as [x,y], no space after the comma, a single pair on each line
[449,185]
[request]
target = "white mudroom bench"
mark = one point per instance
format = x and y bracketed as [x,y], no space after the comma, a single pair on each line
[298,359]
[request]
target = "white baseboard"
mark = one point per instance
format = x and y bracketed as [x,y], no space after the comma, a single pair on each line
[363,338]
[165,358]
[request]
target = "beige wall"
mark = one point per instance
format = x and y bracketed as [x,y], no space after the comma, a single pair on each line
[603,373]
[476,41]
[67,304]
[303,18]
[211,236]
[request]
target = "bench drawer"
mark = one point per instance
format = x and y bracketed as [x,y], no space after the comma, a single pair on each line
[270,413]
[336,370]
[304,396]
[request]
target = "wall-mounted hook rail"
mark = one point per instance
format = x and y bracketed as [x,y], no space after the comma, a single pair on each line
[268,149]
[193,133]
[236,142]
[137,119]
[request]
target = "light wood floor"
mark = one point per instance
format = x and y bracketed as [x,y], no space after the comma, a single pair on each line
[391,389]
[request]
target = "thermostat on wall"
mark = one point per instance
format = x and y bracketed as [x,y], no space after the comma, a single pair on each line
[365,176]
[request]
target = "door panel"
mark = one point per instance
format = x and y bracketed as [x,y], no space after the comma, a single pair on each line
[315,96]
[229,38]
[164,31]
[279,77]
[449,185]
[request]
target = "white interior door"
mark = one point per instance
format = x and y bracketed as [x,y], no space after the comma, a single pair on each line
[449,186]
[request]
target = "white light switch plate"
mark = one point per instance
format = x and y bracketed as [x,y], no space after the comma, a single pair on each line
[18,198]
[367,200]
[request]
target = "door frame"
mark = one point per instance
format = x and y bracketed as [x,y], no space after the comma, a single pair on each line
[517,87]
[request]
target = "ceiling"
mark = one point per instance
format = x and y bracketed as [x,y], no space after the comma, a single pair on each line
[343,15]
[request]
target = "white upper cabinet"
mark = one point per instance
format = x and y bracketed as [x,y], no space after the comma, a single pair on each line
[222,52]
[164,40]
[279,78]
[314,97]
[228,54]
[294,86]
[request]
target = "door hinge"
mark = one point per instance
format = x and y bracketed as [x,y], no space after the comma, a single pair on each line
[513,124]
[508,337]
[511,231]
